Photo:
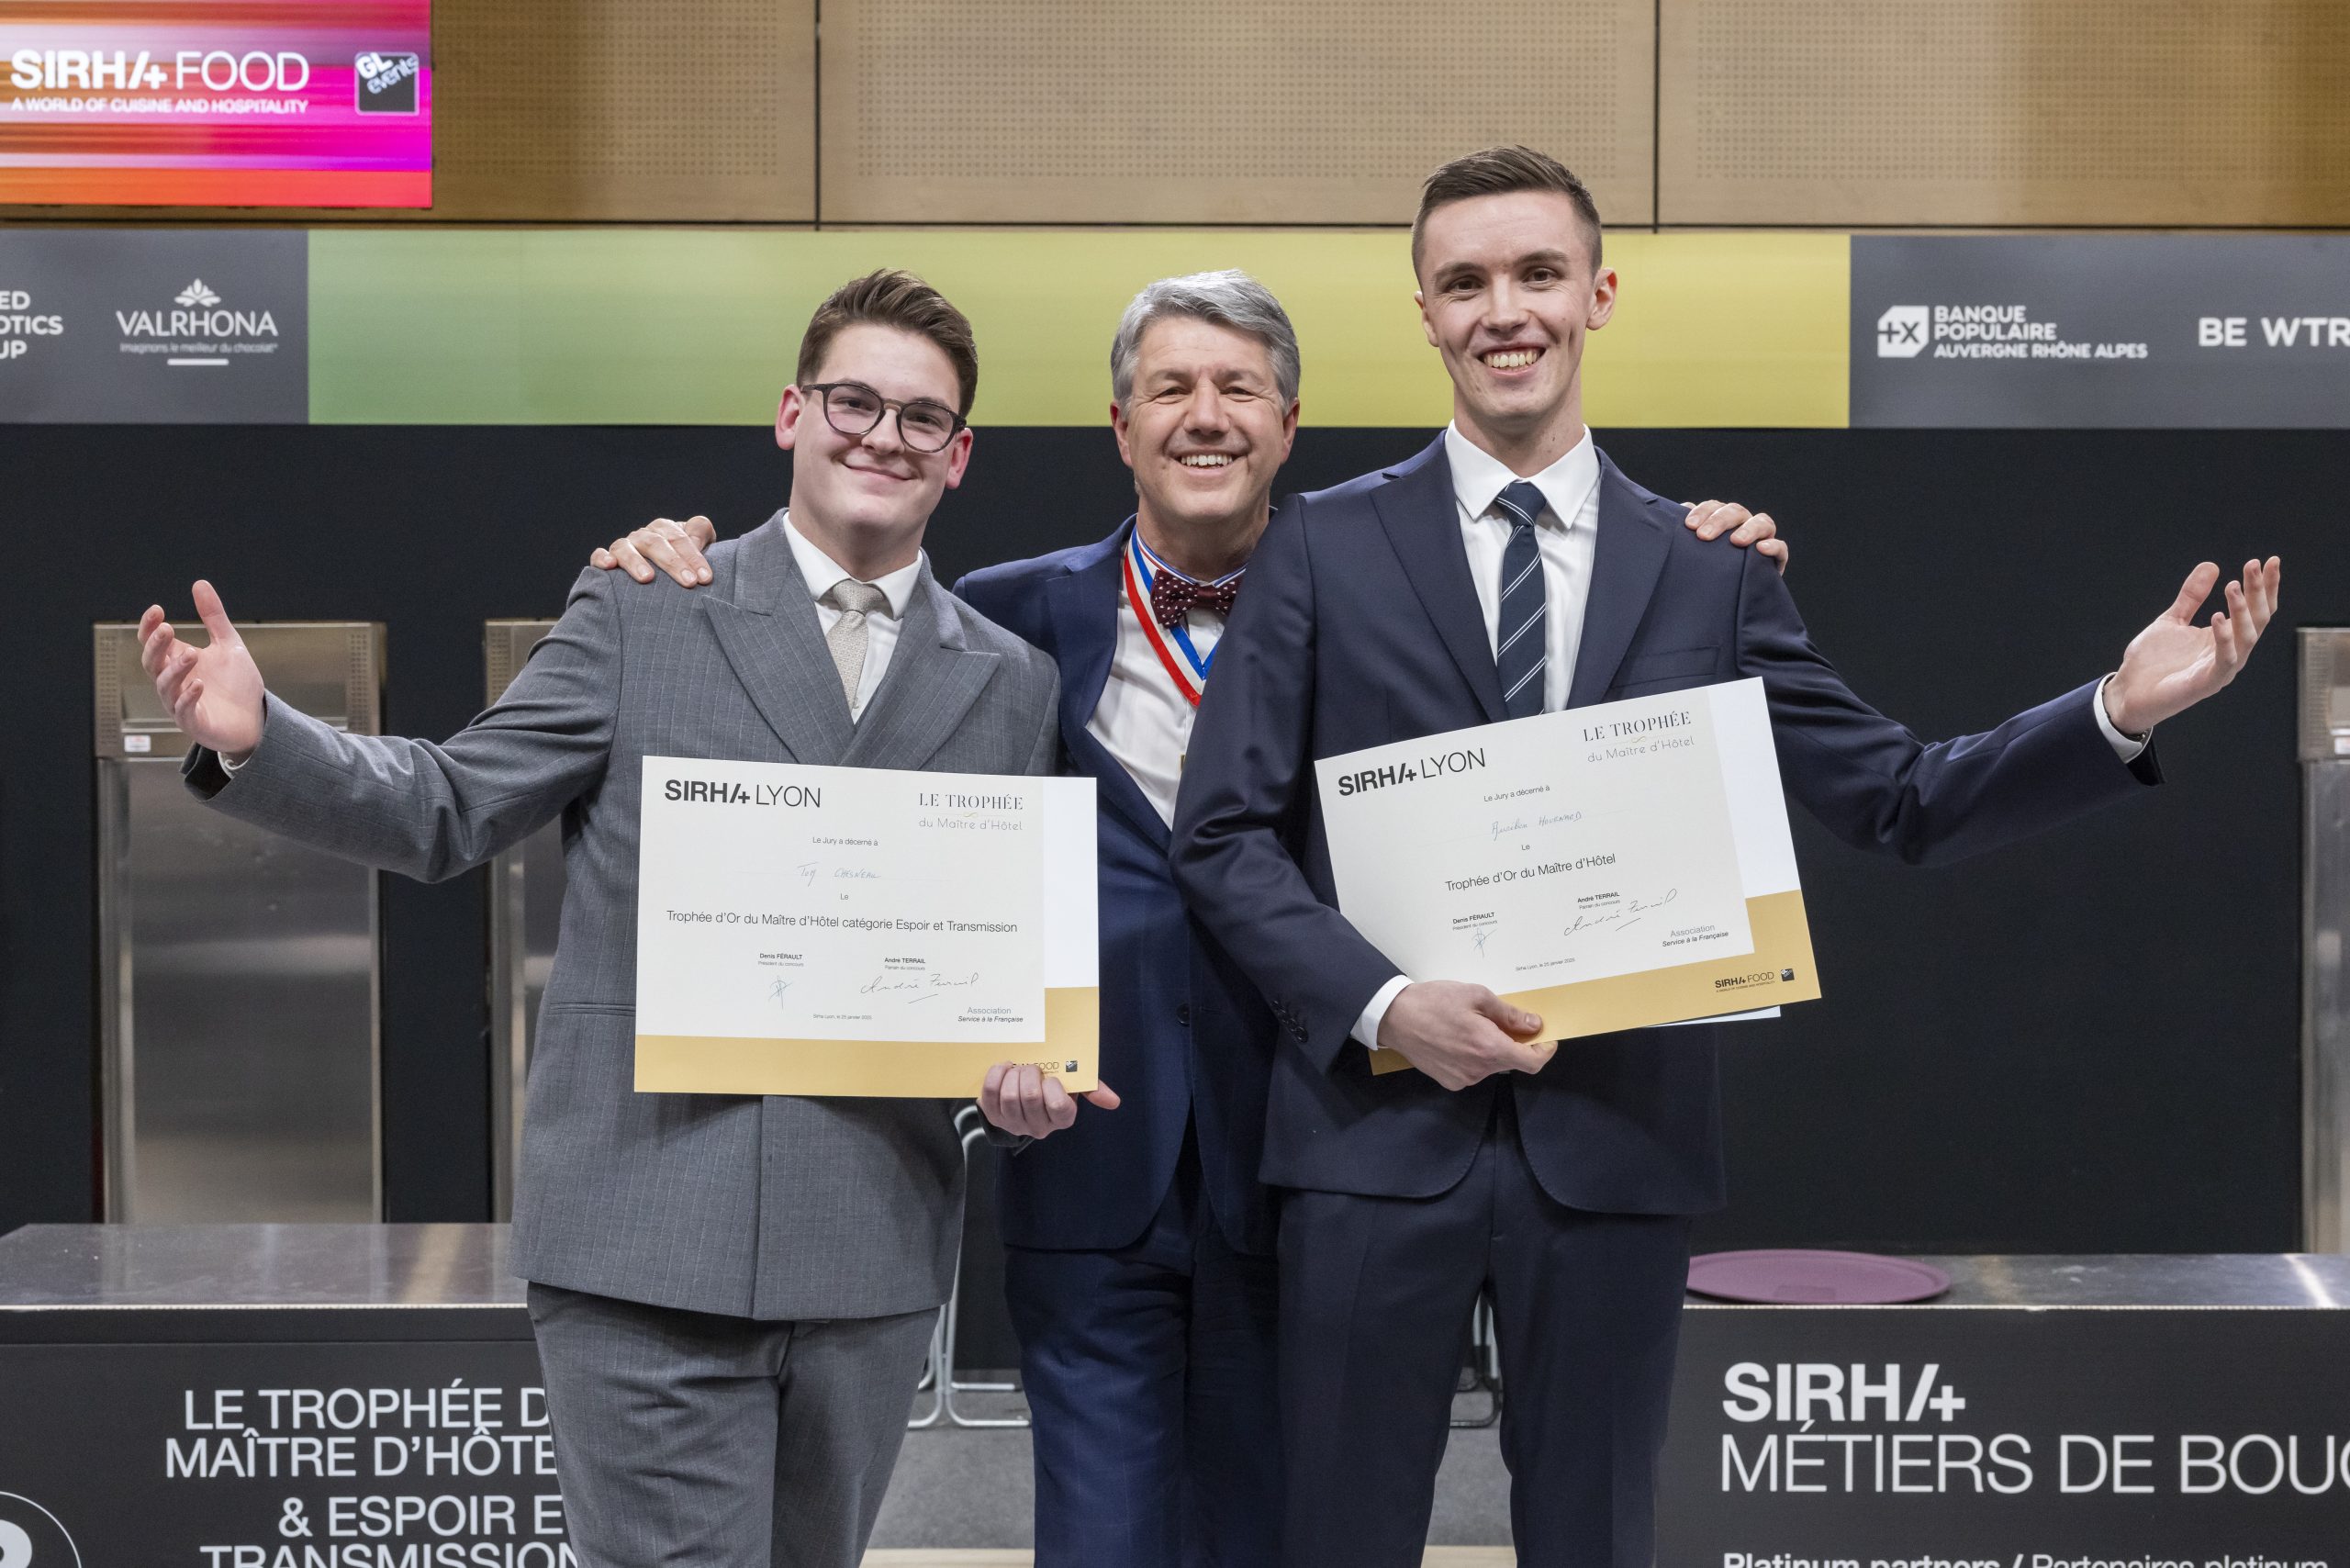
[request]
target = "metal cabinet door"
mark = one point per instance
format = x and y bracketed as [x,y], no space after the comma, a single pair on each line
[240,971]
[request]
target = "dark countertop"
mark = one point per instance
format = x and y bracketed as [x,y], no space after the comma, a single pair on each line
[2146,1281]
[49,1268]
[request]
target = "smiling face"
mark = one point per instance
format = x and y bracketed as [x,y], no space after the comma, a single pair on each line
[1508,292]
[864,500]
[1206,427]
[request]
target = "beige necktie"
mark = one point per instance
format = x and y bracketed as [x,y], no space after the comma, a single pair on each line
[854,600]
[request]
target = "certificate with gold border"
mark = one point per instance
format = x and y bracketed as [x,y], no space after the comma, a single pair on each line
[1608,867]
[861,931]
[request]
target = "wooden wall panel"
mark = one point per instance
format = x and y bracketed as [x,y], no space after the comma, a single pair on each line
[601,111]
[1834,113]
[617,110]
[1222,111]
[2122,113]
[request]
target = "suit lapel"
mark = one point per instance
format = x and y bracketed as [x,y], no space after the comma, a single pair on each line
[1083,605]
[770,635]
[1633,543]
[932,682]
[1421,521]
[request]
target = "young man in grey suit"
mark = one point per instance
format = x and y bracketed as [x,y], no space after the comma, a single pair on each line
[731,1294]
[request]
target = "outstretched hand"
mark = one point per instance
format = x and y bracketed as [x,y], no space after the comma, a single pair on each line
[2175,663]
[675,547]
[1022,1099]
[212,693]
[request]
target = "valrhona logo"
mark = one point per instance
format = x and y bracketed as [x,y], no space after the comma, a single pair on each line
[198,312]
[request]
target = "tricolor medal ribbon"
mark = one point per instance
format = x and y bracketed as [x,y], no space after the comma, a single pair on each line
[1183,665]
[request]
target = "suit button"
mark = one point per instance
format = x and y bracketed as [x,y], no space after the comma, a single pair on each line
[1183,1013]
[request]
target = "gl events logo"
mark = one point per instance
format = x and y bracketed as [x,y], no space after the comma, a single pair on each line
[384,82]
[30,1536]
[1901,332]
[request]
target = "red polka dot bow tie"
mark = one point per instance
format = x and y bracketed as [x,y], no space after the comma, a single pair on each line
[1173,598]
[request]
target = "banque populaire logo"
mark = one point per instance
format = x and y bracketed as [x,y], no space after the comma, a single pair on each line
[1902,332]
[32,1536]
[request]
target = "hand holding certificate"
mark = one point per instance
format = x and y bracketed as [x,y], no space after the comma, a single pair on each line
[861,931]
[1607,867]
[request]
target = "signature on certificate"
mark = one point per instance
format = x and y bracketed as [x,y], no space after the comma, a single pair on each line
[914,988]
[776,987]
[809,870]
[1546,819]
[1622,919]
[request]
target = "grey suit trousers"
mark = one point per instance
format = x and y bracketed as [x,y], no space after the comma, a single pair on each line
[669,1427]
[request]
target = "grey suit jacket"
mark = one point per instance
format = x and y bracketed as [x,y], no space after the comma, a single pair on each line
[766,1208]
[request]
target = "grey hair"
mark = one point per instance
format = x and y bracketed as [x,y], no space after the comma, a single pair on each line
[1229,298]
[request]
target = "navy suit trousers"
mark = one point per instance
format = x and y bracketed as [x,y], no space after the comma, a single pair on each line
[1375,1294]
[1152,1376]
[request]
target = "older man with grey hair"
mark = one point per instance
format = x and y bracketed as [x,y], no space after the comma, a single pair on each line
[1139,1265]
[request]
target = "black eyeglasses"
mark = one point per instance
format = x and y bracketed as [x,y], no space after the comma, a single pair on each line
[854,409]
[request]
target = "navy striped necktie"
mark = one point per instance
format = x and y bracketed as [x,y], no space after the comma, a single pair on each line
[1522,642]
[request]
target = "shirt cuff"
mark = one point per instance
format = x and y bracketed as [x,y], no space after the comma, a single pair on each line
[229,769]
[1366,1027]
[2126,748]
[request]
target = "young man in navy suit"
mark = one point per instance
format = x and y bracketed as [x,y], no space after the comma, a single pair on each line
[1138,1267]
[1510,570]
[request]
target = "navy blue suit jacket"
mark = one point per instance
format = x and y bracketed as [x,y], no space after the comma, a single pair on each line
[1360,626]
[1185,1039]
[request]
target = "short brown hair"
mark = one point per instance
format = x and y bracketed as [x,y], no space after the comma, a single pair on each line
[1498,171]
[891,298]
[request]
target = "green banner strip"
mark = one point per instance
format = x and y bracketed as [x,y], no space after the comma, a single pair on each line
[701,327]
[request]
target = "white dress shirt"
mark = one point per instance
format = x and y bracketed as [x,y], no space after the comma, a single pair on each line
[1142,720]
[1567,534]
[820,572]
[1567,537]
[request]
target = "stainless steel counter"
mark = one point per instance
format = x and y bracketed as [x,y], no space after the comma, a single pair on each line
[228,1282]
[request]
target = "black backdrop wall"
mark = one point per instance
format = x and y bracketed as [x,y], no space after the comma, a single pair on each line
[2088,1043]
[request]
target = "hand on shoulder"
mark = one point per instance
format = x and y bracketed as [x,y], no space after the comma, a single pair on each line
[663,544]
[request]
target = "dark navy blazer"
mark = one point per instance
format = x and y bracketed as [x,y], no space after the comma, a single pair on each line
[1360,626]
[1185,1039]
